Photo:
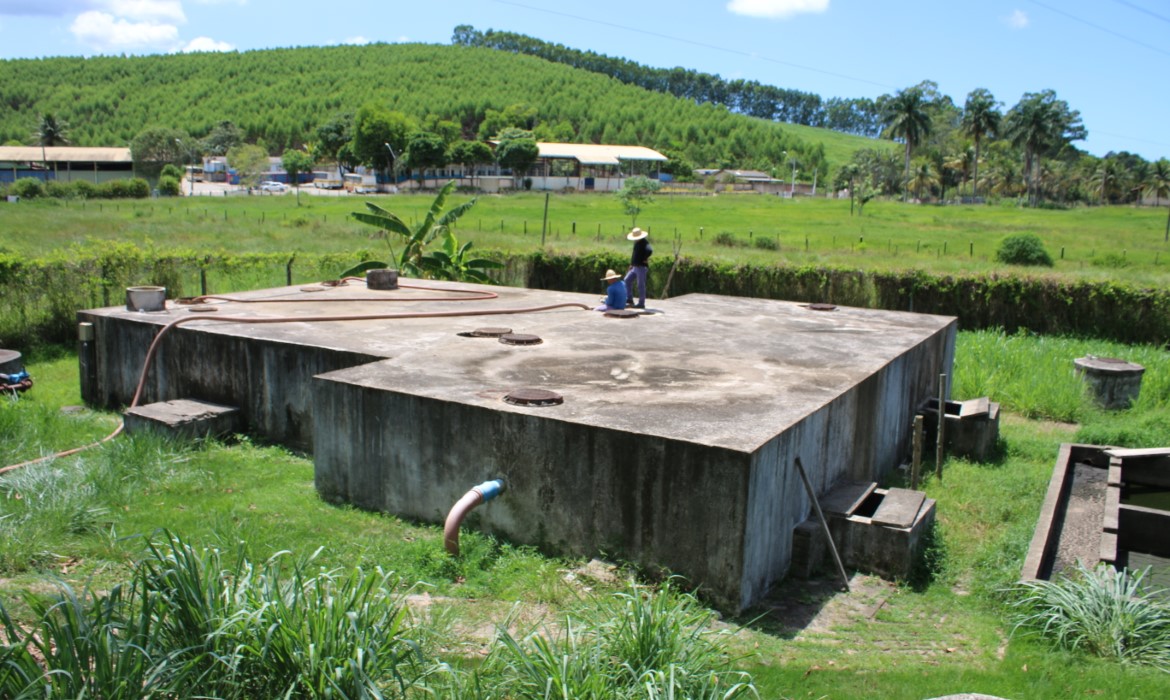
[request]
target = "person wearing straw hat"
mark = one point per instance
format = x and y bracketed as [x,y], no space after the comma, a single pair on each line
[639,265]
[615,293]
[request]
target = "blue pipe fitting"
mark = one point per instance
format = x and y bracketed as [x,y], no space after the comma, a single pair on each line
[490,489]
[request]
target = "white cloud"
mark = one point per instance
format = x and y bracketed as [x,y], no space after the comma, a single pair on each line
[776,9]
[356,41]
[147,10]
[105,32]
[1018,19]
[206,43]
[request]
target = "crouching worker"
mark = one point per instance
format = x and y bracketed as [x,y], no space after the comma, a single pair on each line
[615,293]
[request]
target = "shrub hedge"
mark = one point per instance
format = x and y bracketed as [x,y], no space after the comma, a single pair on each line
[41,296]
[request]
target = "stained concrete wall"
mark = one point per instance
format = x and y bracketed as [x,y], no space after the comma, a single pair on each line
[267,379]
[571,489]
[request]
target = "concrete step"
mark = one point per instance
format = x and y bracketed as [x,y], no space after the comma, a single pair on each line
[184,418]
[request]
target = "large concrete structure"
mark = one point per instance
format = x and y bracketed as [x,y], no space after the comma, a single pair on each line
[673,447]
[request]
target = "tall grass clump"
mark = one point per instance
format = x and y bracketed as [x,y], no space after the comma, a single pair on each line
[1034,376]
[196,623]
[634,643]
[1099,611]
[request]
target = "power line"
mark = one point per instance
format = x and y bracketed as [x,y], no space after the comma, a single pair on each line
[1100,28]
[713,47]
[1141,9]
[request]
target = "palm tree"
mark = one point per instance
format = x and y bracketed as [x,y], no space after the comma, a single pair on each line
[50,132]
[1158,181]
[905,117]
[924,177]
[1158,184]
[1040,124]
[981,118]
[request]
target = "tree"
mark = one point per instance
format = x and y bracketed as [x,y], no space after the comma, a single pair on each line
[635,194]
[295,163]
[1158,184]
[906,118]
[250,163]
[981,118]
[425,150]
[333,136]
[1041,125]
[50,132]
[437,222]
[471,153]
[222,138]
[157,146]
[375,128]
[517,150]
[923,177]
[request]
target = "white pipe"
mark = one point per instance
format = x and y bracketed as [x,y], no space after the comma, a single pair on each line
[480,494]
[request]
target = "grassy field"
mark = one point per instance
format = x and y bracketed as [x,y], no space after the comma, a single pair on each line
[1099,243]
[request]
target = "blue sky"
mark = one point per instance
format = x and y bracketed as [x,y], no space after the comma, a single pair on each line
[1109,59]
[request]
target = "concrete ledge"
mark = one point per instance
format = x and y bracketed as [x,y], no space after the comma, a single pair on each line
[184,418]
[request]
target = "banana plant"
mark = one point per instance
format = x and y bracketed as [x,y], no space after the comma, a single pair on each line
[410,260]
[453,262]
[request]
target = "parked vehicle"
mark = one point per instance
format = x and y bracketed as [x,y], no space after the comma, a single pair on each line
[274,187]
[361,184]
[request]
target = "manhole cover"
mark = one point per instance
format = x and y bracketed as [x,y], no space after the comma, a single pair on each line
[520,339]
[203,308]
[492,332]
[533,397]
[622,313]
[822,307]
[313,288]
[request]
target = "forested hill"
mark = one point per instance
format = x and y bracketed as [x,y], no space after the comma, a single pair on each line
[856,115]
[280,97]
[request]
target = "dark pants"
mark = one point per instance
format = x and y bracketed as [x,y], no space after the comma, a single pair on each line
[639,273]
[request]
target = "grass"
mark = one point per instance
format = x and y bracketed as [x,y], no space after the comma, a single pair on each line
[84,521]
[1101,611]
[1097,243]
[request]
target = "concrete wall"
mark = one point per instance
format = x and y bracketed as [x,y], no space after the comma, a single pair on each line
[860,436]
[268,380]
[571,489]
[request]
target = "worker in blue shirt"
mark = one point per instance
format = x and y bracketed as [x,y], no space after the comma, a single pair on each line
[615,293]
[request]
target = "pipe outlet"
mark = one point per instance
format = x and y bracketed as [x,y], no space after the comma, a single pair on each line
[479,494]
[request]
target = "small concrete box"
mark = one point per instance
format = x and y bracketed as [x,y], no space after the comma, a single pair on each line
[674,445]
[184,418]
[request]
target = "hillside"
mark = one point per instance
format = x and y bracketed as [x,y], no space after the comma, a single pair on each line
[280,96]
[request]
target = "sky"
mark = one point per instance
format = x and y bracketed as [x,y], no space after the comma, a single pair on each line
[1108,59]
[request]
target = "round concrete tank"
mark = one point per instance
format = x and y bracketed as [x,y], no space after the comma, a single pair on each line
[146,298]
[10,362]
[1114,383]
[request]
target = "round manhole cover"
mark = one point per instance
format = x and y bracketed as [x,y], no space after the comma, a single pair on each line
[533,397]
[822,307]
[203,308]
[491,332]
[313,288]
[520,339]
[622,313]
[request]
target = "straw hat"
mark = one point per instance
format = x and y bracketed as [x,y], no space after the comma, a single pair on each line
[636,235]
[611,275]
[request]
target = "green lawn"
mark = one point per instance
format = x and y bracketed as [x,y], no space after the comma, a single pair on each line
[1095,243]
